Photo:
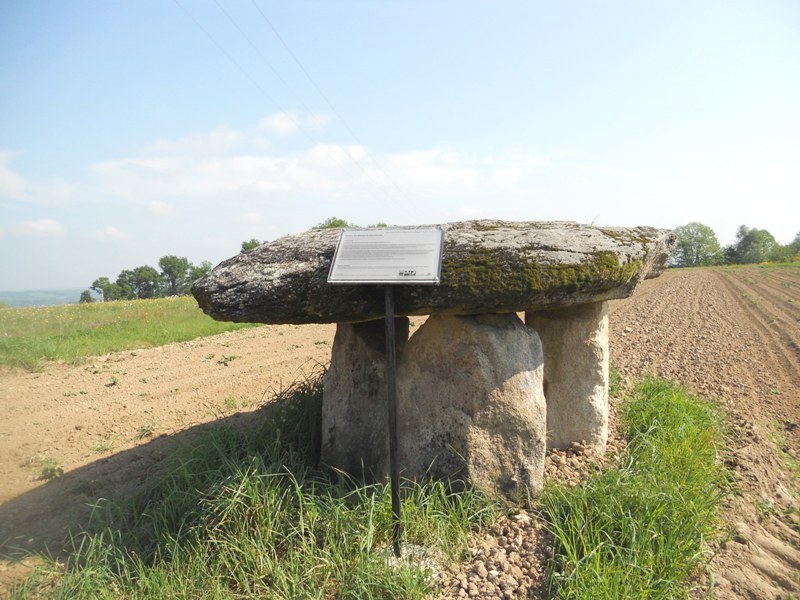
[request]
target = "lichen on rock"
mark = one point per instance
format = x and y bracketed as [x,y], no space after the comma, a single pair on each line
[487,267]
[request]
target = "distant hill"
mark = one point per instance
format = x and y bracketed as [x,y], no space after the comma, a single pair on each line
[41,297]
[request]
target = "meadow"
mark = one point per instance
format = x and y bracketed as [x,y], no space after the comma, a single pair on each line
[29,337]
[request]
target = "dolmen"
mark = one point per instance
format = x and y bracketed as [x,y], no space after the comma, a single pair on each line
[481,392]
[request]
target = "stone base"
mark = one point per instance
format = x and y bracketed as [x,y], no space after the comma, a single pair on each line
[471,403]
[575,342]
[354,416]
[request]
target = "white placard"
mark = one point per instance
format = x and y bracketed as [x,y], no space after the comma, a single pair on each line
[386,255]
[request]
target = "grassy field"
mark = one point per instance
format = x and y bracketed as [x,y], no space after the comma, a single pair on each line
[638,529]
[249,514]
[31,336]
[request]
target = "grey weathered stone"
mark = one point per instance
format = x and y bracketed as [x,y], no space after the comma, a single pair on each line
[487,267]
[354,415]
[575,342]
[471,405]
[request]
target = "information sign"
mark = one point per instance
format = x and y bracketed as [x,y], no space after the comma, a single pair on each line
[387,255]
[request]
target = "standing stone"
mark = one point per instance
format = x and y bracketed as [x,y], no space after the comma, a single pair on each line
[575,342]
[471,404]
[354,416]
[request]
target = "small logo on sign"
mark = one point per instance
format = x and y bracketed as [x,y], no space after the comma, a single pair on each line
[406,273]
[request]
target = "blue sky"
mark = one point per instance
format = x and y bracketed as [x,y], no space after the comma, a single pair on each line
[132,130]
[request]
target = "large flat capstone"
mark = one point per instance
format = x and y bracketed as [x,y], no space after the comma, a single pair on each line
[487,267]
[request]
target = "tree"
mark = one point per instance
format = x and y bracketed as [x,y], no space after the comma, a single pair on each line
[175,273]
[781,253]
[199,271]
[334,223]
[250,244]
[125,284]
[697,246]
[140,283]
[751,246]
[86,297]
[107,290]
[795,243]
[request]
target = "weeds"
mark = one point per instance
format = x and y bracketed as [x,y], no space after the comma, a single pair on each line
[50,468]
[145,431]
[250,513]
[616,383]
[226,360]
[637,530]
[104,445]
[766,508]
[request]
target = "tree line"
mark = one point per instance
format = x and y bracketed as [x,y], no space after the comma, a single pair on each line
[175,277]
[698,246]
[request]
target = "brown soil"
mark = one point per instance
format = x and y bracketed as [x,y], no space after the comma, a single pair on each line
[733,336]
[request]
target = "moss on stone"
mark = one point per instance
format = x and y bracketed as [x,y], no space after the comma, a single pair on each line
[507,273]
[627,237]
[479,226]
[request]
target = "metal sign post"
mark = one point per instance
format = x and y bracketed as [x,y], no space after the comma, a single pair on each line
[391,401]
[389,256]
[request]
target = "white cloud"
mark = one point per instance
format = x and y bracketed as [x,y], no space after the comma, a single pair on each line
[11,184]
[39,228]
[288,123]
[320,173]
[252,217]
[226,164]
[16,188]
[434,169]
[110,233]
[219,141]
[160,209]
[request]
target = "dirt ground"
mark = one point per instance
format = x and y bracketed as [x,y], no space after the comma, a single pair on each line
[733,336]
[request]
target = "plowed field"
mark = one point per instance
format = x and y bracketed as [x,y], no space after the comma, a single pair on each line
[731,334]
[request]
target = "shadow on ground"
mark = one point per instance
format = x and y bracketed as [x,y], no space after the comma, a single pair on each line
[40,521]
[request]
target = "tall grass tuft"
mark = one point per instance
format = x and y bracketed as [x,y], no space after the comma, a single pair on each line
[249,513]
[637,531]
[31,336]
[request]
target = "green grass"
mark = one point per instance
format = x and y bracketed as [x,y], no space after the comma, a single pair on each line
[638,530]
[31,336]
[247,513]
[50,468]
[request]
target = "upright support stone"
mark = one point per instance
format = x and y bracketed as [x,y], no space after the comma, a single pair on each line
[575,342]
[354,417]
[471,404]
